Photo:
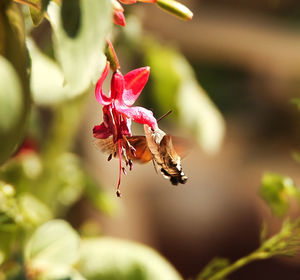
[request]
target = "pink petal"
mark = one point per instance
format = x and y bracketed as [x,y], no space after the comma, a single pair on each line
[134,83]
[119,18]
[117,85]
[138,114]
[101,131]
[147,1]
[128,1]
[100,96]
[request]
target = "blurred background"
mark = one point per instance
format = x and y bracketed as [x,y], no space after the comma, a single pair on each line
[246,56]
[229,76]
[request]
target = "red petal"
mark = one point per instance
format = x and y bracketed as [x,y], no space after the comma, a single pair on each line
[134,83]
[102,98]
[101,131]
[128,1]
[119,18]
[117,85]
[138,114]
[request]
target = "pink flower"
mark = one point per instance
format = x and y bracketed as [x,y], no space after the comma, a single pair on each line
[118,110]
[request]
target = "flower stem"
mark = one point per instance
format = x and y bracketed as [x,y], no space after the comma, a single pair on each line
[32,5]
[256,255]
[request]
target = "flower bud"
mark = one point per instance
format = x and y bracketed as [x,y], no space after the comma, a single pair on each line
[175,8]
[111,55]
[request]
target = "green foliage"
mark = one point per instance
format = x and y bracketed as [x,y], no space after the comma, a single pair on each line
[85,50]
[52,250]
[14,89]
[113,259]
[284,243]
[276,190]
[176,87]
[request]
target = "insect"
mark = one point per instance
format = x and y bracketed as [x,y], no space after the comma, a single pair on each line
[156,145]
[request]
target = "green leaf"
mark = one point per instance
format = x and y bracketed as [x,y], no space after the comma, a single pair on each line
[14,85]
[34,212]
[71,16]
[109,258]
[52,250]
[81,57]
[47,80]
[11,108]
[176,87]
[275,190]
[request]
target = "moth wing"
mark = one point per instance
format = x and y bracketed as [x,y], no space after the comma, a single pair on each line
[106,145]
[181,145]
[142,153]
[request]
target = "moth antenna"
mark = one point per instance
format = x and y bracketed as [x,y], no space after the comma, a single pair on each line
[164,115]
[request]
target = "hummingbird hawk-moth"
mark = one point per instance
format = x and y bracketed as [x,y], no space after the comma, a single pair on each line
[157,146]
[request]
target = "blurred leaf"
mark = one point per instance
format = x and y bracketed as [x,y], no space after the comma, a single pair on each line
[216,265]
[109,258]
[14,89]
[81,57]
[9,208]
[296,156]
[296,101]
[275,190]
[71,16]
[47,81]
[176,88]
[11,108]
[34,212]
[102,200]
[52,250]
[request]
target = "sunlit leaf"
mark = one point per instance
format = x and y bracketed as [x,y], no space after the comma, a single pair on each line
[47,80]
[81,57]
[14,90]
[275,190]
[109,258]
[52,250]
[34,212]
[11,107]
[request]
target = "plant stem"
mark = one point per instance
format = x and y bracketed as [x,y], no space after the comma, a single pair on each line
[256,255]
[32,5]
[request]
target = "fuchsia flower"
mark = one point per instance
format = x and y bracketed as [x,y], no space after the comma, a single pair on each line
[118,111]
[118,10]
